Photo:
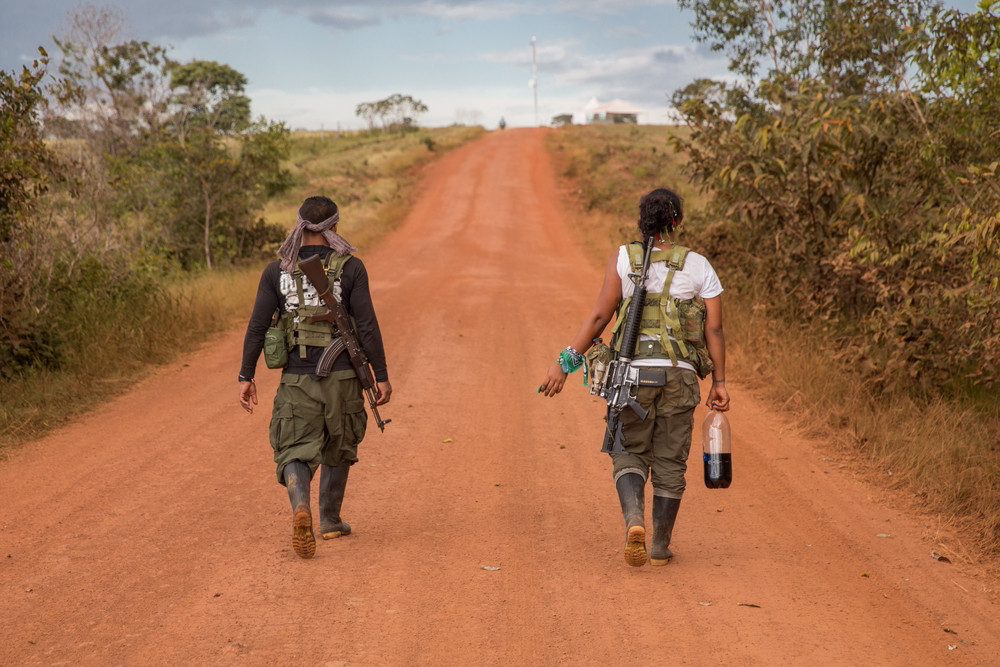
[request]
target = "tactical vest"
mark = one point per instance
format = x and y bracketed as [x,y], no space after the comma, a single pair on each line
[299,331]
[677,327]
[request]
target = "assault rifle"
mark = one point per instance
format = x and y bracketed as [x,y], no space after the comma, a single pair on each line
[337,315]
[622,380]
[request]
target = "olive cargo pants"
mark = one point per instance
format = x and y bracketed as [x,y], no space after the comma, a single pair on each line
[662,441]
[317,421]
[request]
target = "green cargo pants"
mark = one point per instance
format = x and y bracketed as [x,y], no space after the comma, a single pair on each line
[317,420]
[661,443]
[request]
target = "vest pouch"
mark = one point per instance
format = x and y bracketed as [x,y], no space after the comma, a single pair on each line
[598,359]
[275,351]
[692,314]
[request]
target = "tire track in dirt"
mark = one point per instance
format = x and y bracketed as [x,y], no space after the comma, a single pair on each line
[152,532]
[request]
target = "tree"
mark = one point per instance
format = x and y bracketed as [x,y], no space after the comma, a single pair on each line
[394,112]
[114,92]
[203,192]
[208,94]
[26,170]
[857,180]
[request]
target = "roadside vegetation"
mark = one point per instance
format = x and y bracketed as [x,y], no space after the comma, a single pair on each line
[849,200]
[138,203]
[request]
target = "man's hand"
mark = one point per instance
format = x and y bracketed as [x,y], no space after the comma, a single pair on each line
[248,395]
[554,381]
[718,397]
[383,391]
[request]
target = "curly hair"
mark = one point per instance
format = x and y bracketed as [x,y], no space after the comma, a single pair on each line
[660,210]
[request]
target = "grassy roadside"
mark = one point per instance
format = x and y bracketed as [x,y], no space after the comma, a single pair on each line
[371,176]
[942,456]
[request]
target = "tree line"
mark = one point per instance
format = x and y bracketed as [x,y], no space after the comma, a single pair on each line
[853,167]
[117,168]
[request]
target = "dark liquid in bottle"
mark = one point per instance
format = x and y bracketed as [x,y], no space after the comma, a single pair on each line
[718,470]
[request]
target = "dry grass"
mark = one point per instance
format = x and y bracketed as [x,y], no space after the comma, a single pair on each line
[941,456]
[371,176]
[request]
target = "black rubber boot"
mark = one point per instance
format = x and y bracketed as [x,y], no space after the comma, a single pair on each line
[664,515]
[332,484]
[297,477]
[631,487]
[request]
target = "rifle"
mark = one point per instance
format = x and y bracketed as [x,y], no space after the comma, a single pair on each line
[621,381]
[337,315]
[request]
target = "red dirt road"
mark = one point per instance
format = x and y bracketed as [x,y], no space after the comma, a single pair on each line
[152,531]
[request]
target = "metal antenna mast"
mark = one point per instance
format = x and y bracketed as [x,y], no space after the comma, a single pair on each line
[534,80]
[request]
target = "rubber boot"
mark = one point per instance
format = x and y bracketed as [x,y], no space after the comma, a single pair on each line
[332,484]
[631,488]
[297,478]
[664,515]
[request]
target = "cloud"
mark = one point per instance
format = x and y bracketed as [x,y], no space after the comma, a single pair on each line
[467,11]
[644,76]
[342,19]
[599,7]
[549,55]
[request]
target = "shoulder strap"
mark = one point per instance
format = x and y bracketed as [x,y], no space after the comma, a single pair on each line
[335,265]
[674,257]
[635,250]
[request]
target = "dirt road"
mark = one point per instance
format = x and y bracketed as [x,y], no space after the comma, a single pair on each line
[152,531]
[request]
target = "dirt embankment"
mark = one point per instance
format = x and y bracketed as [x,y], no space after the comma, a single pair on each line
[486,528]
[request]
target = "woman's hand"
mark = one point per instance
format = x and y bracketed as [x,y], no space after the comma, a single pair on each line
[554,381]
[718,397]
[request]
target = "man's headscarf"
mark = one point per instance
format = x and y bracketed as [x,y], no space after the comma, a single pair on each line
[289,250]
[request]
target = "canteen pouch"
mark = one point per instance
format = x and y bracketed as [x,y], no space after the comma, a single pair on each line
[275,351]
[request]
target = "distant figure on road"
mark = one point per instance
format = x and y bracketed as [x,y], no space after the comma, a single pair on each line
[503,123]
[683,295]
[315,422]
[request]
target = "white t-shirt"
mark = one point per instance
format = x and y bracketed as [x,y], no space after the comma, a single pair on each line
[697,278]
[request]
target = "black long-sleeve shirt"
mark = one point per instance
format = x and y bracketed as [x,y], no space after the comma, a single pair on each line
[354,294]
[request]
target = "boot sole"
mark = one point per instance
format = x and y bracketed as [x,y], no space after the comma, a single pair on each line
[635,546]
[334,534]
[303,540]
[659,561]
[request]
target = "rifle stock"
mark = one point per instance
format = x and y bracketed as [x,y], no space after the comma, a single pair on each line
[337,315]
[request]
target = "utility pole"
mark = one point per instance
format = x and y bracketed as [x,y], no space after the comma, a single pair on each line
[534,79]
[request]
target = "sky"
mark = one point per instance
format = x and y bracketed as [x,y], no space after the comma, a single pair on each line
[310,63]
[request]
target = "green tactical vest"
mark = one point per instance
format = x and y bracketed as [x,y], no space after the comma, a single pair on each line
[676,326]
[299,331]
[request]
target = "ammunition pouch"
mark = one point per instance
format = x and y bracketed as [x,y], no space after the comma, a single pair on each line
[651,377]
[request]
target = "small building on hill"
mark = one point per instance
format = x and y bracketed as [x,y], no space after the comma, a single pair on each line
[615,111]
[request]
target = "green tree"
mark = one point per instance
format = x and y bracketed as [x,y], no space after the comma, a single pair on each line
[859,185]
[113,92]
[394,112]
[203,192]
[210,95]
[27,169]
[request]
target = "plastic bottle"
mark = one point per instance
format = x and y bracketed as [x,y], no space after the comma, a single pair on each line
[717,452]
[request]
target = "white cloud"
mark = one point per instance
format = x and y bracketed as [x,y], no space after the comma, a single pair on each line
[343,19]
[548,54]
[467,11]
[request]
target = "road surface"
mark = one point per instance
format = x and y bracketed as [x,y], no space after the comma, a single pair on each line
[486,526]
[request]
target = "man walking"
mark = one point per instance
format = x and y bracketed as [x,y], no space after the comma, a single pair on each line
[316,422]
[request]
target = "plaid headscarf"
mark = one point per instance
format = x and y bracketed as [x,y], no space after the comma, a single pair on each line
[289,250]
